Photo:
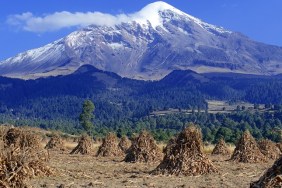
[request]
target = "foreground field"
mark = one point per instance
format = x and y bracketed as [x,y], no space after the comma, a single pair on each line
[90,171]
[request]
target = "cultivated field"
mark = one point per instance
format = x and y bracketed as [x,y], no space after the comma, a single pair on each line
[214,106]
[90,171]
[77,170]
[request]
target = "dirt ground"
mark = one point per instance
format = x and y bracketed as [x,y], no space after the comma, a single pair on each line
[89,171]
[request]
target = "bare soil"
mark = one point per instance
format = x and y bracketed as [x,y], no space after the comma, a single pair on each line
[90,171]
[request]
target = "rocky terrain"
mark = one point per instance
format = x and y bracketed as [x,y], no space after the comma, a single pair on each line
[148,45]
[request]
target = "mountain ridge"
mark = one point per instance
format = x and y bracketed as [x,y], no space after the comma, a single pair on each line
[117,98]
[148,47]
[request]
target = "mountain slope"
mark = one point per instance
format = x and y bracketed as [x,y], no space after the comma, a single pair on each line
[118,98]
[153,42]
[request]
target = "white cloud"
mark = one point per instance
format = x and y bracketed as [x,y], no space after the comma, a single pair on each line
[59,20]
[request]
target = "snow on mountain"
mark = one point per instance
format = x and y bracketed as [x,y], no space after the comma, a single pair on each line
[148,45]
[151,14]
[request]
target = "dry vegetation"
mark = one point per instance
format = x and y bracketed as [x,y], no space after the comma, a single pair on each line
[247,150]
[84,146]
[269,149]
[221,148]
[124,144]
[25,162]
[143,149]
[184,156]
[55,143]
[109,147]
[271,178]
[22,157]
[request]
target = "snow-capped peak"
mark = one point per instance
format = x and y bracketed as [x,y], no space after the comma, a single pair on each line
[151,13]
[121,46]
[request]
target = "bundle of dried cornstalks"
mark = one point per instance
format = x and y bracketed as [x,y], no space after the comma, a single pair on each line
[221,148]
[269,149]
[22,158]
[143,149]
[55,143]
[124,144]
[272,178]
[247,150]
[184,156]
[109,147]
[17,137]
[84,146]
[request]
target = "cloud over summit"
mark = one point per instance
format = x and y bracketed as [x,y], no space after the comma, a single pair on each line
[59,20]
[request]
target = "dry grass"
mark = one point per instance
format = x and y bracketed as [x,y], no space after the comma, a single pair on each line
[161,145]
[208,149]
[70,145]
[82,171]
[231,147]
[89,171]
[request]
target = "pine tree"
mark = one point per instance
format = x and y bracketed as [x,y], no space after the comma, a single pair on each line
[86,117]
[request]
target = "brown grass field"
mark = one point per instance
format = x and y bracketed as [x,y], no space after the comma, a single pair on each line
[90,171]
[77,170]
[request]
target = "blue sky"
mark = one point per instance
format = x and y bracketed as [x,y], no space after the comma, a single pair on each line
[20,27]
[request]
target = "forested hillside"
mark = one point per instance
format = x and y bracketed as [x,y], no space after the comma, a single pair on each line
[55,102]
